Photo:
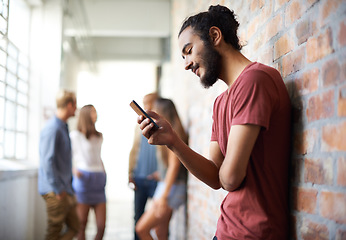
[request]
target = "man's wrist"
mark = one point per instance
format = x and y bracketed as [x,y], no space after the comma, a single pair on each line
[174,140]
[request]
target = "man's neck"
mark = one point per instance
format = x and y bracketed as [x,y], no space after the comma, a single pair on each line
[233,63]
[62,114]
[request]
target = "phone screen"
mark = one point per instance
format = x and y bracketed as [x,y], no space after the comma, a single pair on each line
[140,111]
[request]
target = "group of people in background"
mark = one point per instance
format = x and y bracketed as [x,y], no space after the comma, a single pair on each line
[248,155]
[72,176]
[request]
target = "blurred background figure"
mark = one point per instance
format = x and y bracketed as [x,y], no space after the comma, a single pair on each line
[171,189]
[89,178]
[143,174]
[55,172]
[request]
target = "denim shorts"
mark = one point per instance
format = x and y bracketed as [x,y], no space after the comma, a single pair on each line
[177,195]
[90,187]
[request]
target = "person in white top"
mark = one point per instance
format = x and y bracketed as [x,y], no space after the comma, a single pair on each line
[89,178]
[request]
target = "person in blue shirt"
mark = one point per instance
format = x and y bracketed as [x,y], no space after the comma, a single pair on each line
[143,175]
[55,171]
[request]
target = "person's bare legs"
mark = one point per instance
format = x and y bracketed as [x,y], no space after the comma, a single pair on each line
[100,214]
[162,229]
[149,220]
[83,212]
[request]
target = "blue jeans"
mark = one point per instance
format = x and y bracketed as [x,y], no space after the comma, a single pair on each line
[144,189]
[215,238]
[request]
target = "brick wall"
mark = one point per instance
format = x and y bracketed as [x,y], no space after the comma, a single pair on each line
[305,40]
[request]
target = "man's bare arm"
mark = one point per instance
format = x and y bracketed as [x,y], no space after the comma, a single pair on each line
[227,172]
[201,167]
[204,169]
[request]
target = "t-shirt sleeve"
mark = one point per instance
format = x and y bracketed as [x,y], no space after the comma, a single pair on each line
[254,99]
[213,132]
[213,129]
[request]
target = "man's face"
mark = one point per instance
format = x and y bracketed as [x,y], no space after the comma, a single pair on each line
[200,57]
[72,108]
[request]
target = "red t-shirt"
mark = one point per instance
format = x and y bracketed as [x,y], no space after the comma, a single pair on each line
[258,209]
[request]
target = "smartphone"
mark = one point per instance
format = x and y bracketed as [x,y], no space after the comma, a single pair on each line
[140,111]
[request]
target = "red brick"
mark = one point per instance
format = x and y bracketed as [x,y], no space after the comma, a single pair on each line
[253,26]
[284,45]
[341,177]
[333,206]
[279,3]
[329,7]
[331,73]
[318,171]
[293,12]
[258,41]
[326,43]
[342,102]
[256,5]
[308,83]
[342,34]
[304,30]
[314,231]
[253,5]
[333,137]
[267,56]
[306,200]
[293,62]
[312,50]
[320,106]
[304,143]
[273,27]
[266,12]
[319,47]
[311,2]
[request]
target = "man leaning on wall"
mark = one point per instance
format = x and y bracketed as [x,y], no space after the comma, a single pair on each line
[55,171]
[250,142]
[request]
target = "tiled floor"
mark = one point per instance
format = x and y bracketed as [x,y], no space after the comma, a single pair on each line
[119,225]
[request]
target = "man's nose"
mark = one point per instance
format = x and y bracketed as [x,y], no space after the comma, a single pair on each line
[188,63]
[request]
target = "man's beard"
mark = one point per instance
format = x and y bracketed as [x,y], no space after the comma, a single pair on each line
[211,60]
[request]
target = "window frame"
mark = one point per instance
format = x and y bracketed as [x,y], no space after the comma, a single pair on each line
[14,94]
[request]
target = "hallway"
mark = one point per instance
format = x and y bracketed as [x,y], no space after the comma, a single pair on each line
[119,225]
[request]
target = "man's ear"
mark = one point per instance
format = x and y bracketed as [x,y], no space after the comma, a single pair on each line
[215,35]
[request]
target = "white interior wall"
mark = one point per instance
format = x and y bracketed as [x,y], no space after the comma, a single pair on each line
[111,90]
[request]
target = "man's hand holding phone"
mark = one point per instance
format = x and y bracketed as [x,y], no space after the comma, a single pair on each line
[156,135]
[141,112]
[161,136]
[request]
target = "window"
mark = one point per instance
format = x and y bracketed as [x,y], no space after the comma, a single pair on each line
[14,94]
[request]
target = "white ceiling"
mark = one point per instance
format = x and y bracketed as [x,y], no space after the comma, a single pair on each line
[119,29]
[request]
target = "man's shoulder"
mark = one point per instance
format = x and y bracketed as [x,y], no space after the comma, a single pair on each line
[52,127]
[258,75]
[219,98]
[260,69]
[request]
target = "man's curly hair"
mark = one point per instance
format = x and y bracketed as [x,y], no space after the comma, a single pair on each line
[218,16]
